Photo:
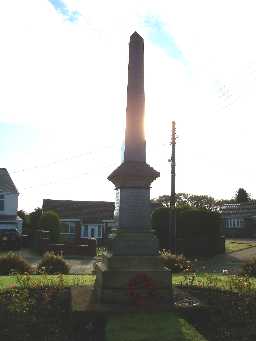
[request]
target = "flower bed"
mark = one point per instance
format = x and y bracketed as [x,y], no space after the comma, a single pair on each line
[226,315]
[34,314]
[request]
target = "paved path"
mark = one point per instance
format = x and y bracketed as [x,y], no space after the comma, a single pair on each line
[83,265]
[229,261]
[244,255]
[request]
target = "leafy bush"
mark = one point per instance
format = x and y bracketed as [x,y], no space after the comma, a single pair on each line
[50,221]
[34,314]
[249,267]
[13,263]
[53,264]
[176,263]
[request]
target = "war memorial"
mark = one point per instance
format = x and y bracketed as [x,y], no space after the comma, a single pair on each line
[132,260]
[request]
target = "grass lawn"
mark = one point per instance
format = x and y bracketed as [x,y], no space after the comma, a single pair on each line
[238,245]
[217,281]
[204,278]
[145,326]
[150,327]
[200,280]
[139,326]
[44,280]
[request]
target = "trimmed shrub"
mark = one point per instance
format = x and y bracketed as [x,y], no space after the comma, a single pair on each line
[160,223]
[197,230]
[249,267]
[13,263]
[53,264]
[195,222]
[176,263]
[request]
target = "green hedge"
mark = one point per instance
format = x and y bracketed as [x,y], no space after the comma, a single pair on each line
[194,227]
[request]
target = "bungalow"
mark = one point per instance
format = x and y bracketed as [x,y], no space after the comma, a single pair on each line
[83,219]
[239,220]
[8,203]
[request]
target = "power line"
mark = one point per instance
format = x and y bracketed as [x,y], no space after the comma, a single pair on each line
[70,158]
[54,182]
[53,163]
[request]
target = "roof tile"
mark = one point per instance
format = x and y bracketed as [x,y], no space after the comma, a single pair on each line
[6,183]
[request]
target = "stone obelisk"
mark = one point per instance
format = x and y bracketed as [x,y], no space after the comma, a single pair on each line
[134,176]
[134,249]
[135,145]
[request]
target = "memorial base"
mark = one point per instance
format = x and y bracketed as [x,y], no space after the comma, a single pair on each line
[115,277]
[134,243]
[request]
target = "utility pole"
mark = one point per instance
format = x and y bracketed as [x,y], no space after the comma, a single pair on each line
[172,218]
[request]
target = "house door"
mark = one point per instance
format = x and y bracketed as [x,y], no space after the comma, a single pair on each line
[84,231]
[92,232]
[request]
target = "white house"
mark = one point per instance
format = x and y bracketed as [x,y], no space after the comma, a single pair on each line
[8,203]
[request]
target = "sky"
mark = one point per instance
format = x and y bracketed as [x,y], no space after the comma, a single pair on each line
[63,79]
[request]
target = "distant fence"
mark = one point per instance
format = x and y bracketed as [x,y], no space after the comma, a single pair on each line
[79,247]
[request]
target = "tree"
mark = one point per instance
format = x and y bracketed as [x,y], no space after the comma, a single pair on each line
[25,221]
[189,200]
[242,196]
[197,201]
[34,218]
[21,214]
[50,221]
[163,200]
[186,200]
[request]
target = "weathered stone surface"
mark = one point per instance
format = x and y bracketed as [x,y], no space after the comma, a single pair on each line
[135,145]
[134,208]
[114,279]
[132,262]
[134,248]
[134,244]
[111,286]
[121,296]
[133,174]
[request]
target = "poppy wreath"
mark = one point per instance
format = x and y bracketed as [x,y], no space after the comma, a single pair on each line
[141,289]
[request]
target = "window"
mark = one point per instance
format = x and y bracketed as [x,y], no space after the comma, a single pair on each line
[99,231]
[69,227]
[1,202]
[92,232]
[84,231]
[232,222]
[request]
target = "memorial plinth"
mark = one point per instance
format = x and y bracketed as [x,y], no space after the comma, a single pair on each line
[134,248]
